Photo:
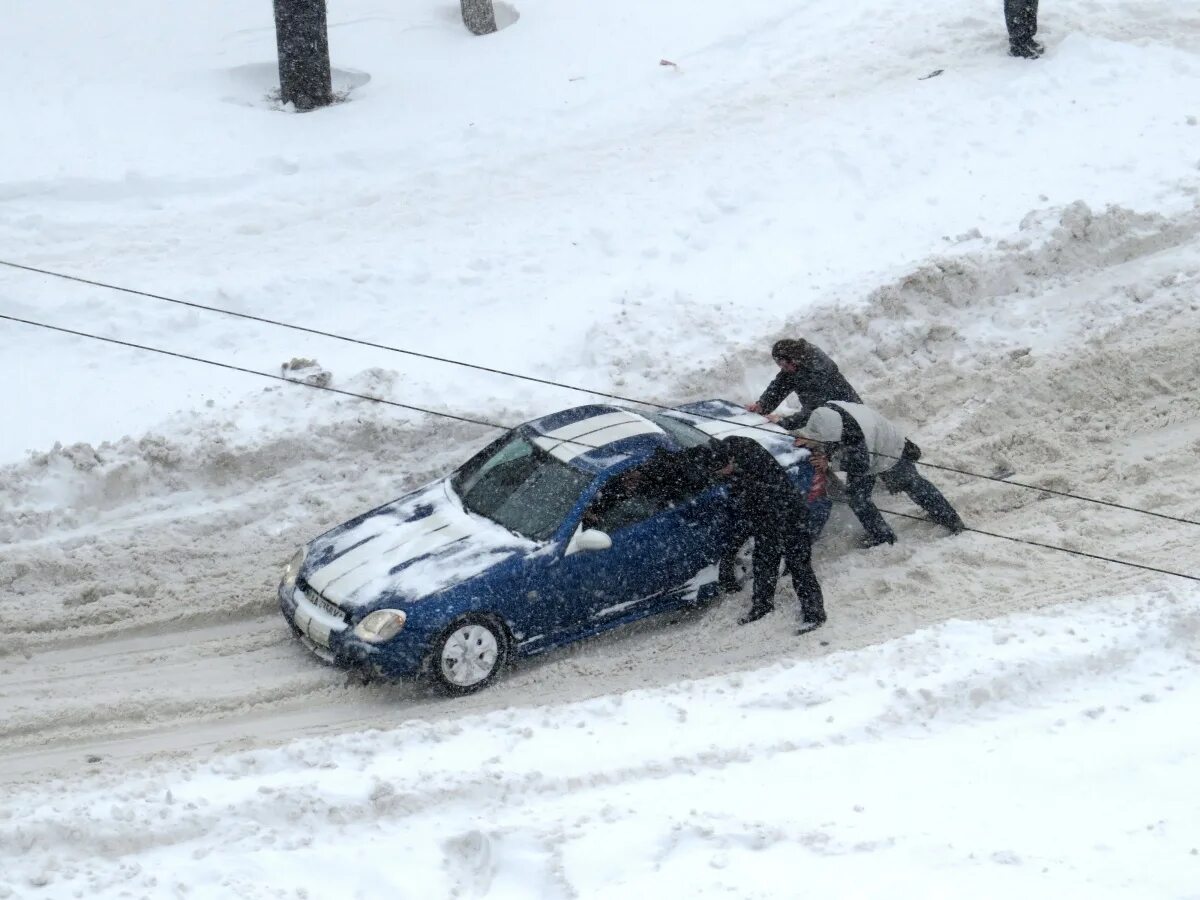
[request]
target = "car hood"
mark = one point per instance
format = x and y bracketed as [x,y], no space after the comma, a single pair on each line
[411,548]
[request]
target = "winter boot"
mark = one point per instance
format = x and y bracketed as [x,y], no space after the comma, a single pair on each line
[757,611]
[1027,49]
[875,540]
[813,617]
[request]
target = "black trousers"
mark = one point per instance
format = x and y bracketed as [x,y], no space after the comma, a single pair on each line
[901,478]
[858,498]
[904,478]
[786,539]
[794,546]
[1021,18]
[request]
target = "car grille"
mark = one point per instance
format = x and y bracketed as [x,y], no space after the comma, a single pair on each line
[314,597]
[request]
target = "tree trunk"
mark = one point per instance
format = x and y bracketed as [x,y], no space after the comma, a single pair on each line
[479,16]
[302,37]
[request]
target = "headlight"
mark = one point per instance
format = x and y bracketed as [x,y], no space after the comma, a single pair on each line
[381,625]
[291,570]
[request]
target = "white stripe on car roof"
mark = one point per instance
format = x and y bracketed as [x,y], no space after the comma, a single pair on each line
[596,440]
[594,423]
[586,435]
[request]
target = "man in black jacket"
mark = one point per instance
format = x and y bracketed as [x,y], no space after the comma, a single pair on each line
[807,371]
[767,507]
[1021,18]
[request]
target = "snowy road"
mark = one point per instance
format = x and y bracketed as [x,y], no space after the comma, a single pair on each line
[150,630]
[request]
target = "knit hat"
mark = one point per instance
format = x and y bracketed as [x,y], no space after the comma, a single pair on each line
[823,425]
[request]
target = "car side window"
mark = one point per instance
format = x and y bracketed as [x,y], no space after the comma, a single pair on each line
[665,481]
[621,502]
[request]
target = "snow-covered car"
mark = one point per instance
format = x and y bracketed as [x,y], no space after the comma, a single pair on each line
[551,534]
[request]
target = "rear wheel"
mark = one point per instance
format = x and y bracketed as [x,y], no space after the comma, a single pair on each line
[469,654]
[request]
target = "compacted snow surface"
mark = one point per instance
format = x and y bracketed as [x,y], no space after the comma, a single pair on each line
[635,198]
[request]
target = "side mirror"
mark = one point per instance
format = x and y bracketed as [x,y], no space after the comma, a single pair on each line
[588,539]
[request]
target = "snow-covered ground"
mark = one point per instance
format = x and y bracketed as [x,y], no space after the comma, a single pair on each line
[1005,257]
[1039,756]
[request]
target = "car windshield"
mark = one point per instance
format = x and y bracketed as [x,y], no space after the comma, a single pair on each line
[520,486]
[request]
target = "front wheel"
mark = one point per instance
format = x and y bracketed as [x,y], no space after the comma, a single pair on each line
[469,654]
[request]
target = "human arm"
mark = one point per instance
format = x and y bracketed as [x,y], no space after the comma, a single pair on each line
[792,422]
[775,393]
[854,458]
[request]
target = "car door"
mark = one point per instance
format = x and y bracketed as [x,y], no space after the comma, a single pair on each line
[660,539]
[655,555]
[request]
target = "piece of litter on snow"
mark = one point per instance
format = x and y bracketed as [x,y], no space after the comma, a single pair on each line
[306,371]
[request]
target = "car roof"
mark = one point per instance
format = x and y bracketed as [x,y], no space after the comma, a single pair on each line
[599,436]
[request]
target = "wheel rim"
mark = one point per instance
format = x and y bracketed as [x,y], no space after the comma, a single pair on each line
[469,655]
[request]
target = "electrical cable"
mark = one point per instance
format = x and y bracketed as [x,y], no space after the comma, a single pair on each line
[320,387]
[233,368]
[1046,490]
[1017,540]
[495,425]
[329,334]
[531,378]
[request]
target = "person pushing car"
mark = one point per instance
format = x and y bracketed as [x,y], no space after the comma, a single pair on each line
[804,369]
[769,508]
[862,443]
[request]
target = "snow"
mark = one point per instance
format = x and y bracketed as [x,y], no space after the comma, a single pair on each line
[459,545]
[1032,755]
[1002,258]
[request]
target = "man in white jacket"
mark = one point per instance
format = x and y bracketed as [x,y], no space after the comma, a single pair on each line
[863,444]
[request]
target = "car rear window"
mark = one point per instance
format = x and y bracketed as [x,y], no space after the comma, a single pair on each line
[683,433]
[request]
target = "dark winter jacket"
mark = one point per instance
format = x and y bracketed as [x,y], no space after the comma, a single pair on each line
[761,493]
[816,381]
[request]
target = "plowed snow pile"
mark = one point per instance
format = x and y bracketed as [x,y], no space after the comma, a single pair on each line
[1005,258]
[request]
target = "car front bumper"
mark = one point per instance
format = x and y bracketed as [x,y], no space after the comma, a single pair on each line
[331,639]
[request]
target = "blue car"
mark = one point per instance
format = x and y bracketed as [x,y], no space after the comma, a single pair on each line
[561,529]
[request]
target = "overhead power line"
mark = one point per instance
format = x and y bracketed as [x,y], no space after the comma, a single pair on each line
[531,378]
[330,334]
[498,426]
[233,368]
[1046,490]
[246,371]
[1031,543]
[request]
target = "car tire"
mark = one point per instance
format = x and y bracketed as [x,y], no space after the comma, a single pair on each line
[468,655]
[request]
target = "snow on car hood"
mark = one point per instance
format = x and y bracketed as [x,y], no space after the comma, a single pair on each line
[419,545]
